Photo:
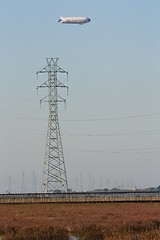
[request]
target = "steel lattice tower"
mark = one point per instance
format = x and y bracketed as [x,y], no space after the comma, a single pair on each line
[54,172]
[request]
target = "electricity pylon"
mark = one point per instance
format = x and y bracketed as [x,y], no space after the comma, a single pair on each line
[54,172]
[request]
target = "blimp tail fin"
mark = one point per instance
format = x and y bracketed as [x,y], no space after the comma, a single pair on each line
[60,19]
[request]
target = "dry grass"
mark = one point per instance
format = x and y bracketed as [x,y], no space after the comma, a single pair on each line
[49,233]
[127,221]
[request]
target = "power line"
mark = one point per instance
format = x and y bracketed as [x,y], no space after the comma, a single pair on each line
[146,132]
[146,150]
[21,117]
[143,116]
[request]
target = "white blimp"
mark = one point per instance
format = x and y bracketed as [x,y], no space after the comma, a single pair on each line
[74,20]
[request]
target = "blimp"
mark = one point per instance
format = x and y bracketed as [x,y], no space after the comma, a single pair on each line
[74,20]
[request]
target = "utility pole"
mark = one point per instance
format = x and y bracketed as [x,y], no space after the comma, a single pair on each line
[23,186]
[54,171]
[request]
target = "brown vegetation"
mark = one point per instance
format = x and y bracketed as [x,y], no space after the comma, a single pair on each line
[127,221]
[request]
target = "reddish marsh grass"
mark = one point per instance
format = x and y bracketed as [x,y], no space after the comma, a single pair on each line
[127,221]
[38,234]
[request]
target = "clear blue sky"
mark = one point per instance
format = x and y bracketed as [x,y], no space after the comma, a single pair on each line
[113,65]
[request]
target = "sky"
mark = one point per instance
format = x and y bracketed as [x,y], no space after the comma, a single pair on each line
[110,126]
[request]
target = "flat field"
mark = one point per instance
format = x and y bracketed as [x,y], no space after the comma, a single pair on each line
[115,220]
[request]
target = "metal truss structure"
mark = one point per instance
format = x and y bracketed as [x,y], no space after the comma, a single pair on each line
[54,172]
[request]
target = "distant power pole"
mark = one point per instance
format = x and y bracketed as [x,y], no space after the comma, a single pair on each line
[54,172]
[34,182]
[23,186]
